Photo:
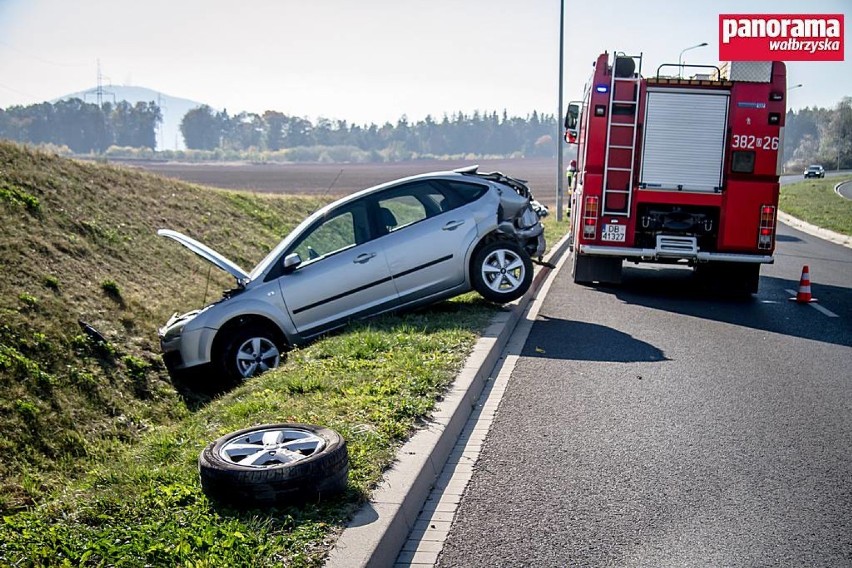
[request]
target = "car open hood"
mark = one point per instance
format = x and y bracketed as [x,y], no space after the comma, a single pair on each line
[208,254]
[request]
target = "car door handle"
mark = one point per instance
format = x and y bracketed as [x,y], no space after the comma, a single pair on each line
[453,225]
[364,257]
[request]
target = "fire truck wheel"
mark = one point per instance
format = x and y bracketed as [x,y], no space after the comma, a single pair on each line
[274,464]
[501,271]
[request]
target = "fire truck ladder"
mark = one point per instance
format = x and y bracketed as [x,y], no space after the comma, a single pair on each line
[620,155]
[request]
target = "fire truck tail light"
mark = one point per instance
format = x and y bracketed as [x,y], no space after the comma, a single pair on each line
[590,218]
[767,227]
[774,118]
[602,88]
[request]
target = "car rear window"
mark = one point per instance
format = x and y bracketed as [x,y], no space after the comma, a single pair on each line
[467,192]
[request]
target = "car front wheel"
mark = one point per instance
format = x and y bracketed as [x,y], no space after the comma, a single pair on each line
[250,351]
[501,271]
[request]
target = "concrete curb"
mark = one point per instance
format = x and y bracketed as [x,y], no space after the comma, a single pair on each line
[377,532]
[824,234]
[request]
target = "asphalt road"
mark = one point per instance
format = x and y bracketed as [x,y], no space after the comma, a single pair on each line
[661,424]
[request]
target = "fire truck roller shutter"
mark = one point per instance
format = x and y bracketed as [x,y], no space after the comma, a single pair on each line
[684,145]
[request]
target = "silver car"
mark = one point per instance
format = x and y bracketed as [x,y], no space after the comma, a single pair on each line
[400,244]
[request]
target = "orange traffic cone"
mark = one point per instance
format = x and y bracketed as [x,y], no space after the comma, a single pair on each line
[803,296]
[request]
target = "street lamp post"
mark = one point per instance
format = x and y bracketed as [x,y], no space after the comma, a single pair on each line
[560,176]
[680,57]
[794,87]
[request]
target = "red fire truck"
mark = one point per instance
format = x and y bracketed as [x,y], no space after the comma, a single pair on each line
[677,170]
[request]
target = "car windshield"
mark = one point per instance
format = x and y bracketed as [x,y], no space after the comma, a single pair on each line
[814,167]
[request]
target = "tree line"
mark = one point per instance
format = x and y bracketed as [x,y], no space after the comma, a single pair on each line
[819,136]
[812,135]
[85,128]
[483,133]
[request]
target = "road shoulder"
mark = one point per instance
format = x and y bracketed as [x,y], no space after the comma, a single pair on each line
[824,234]
[379,529]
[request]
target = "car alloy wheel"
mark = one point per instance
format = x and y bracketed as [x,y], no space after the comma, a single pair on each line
[274,464]
[256,355]
[271,446]
[501,271]
[248,350]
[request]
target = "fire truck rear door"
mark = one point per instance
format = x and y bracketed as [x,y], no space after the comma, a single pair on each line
[684,144]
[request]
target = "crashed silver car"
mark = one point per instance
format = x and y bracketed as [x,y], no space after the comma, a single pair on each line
[397,245]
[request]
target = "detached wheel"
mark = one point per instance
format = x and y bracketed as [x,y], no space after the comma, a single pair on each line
[501,271]
[274,464]
[249,351]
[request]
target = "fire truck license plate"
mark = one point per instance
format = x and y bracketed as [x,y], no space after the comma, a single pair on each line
[616,233]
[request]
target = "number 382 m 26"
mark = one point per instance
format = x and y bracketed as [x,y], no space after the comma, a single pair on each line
[751,142]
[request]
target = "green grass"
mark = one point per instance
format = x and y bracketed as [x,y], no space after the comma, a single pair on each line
[554,230]
[100,445]
[815,202]
[144,505]
[78,244]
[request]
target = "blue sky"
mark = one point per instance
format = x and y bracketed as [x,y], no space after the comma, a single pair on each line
[368,60]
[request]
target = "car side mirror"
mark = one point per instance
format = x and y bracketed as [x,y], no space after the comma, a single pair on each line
[291,261]
[572,120]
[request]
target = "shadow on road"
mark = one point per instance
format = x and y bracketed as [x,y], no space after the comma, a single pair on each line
[588,342]
[787,239]
[678,291]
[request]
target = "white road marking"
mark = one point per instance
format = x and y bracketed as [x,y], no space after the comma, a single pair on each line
[817,307]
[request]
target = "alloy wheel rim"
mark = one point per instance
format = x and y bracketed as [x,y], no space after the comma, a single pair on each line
[503,271]
[271,447]
[257,355]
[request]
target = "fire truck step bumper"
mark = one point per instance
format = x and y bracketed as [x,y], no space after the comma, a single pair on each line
[649,254]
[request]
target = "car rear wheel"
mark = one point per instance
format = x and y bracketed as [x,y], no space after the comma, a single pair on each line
[274,464]
[249,351]
[501,271]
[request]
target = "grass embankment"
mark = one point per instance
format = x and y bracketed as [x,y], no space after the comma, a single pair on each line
[815,202]
[100,447]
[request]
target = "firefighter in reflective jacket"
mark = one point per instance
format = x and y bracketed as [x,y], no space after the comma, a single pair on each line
[571,174]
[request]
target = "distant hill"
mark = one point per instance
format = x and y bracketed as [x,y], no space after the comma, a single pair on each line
[169,136]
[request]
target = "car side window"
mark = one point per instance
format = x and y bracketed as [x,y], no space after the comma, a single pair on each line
[337,232]
[464,192]
[403,206]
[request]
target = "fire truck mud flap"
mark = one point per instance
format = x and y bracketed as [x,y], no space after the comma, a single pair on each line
[732,278]
[589,269]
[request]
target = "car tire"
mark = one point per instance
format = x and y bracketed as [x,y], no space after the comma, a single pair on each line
[248,351]
[291,464]
[501,271]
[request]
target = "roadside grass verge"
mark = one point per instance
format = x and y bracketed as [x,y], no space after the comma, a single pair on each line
[101,446]
[815,202]
[373,383]
[554,230]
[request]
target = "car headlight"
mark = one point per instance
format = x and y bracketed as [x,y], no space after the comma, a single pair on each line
[173,332]
[174,327]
